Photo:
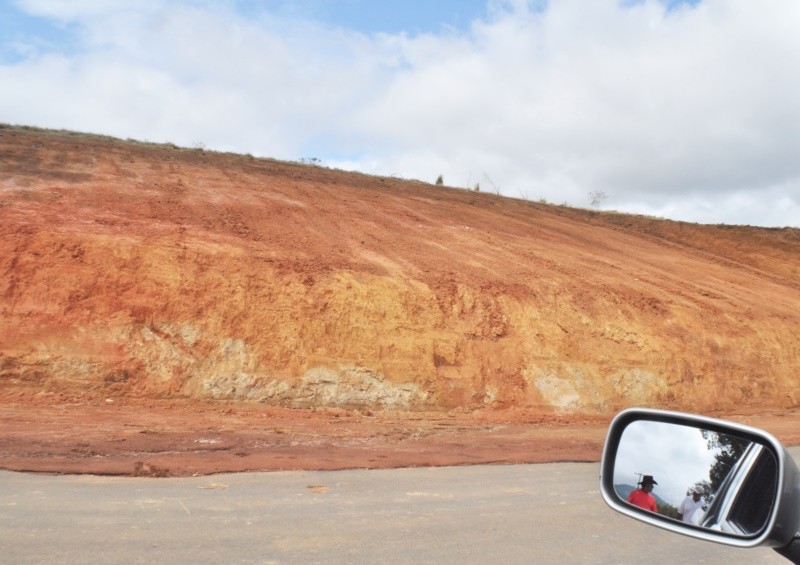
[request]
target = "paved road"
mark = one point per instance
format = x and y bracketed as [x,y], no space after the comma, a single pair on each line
[503,514]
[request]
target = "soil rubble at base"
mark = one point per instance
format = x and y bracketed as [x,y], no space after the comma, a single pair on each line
[174,439]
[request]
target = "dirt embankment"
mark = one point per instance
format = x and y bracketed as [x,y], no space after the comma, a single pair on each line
[184,438]
[138,276]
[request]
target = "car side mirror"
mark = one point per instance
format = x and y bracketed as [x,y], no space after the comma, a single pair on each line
[701,477]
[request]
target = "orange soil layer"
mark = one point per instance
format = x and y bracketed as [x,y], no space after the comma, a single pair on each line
[178,438]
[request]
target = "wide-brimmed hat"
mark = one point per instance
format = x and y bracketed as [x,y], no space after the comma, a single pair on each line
[648,480]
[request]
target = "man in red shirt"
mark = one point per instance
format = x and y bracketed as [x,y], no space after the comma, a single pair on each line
[641,497]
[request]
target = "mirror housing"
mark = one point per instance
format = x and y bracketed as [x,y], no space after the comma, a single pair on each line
[780,519]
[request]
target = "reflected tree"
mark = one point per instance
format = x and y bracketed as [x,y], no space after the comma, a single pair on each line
[668,510]
[706,491]
[729,450]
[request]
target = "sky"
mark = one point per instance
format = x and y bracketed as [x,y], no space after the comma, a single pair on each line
[678,109]
[676,456]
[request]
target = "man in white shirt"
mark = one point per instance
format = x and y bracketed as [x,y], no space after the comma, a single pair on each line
[689,506]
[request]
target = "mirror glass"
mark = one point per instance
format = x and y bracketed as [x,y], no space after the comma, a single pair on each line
[708,479]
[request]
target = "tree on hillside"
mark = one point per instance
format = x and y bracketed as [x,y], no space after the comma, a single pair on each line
[597,197]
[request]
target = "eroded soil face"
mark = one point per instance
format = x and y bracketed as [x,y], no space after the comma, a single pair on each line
[161,439]
[169,312]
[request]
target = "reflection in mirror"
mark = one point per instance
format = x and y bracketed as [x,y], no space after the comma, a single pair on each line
[700,477]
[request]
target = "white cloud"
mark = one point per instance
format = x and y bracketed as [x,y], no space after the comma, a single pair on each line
[687,113]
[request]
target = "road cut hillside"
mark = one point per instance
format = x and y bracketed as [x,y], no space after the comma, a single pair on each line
[142,271]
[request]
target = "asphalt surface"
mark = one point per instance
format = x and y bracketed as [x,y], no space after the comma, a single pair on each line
[550,513]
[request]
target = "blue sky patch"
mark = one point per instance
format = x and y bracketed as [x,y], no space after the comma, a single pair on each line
[25,36]
[370,16]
